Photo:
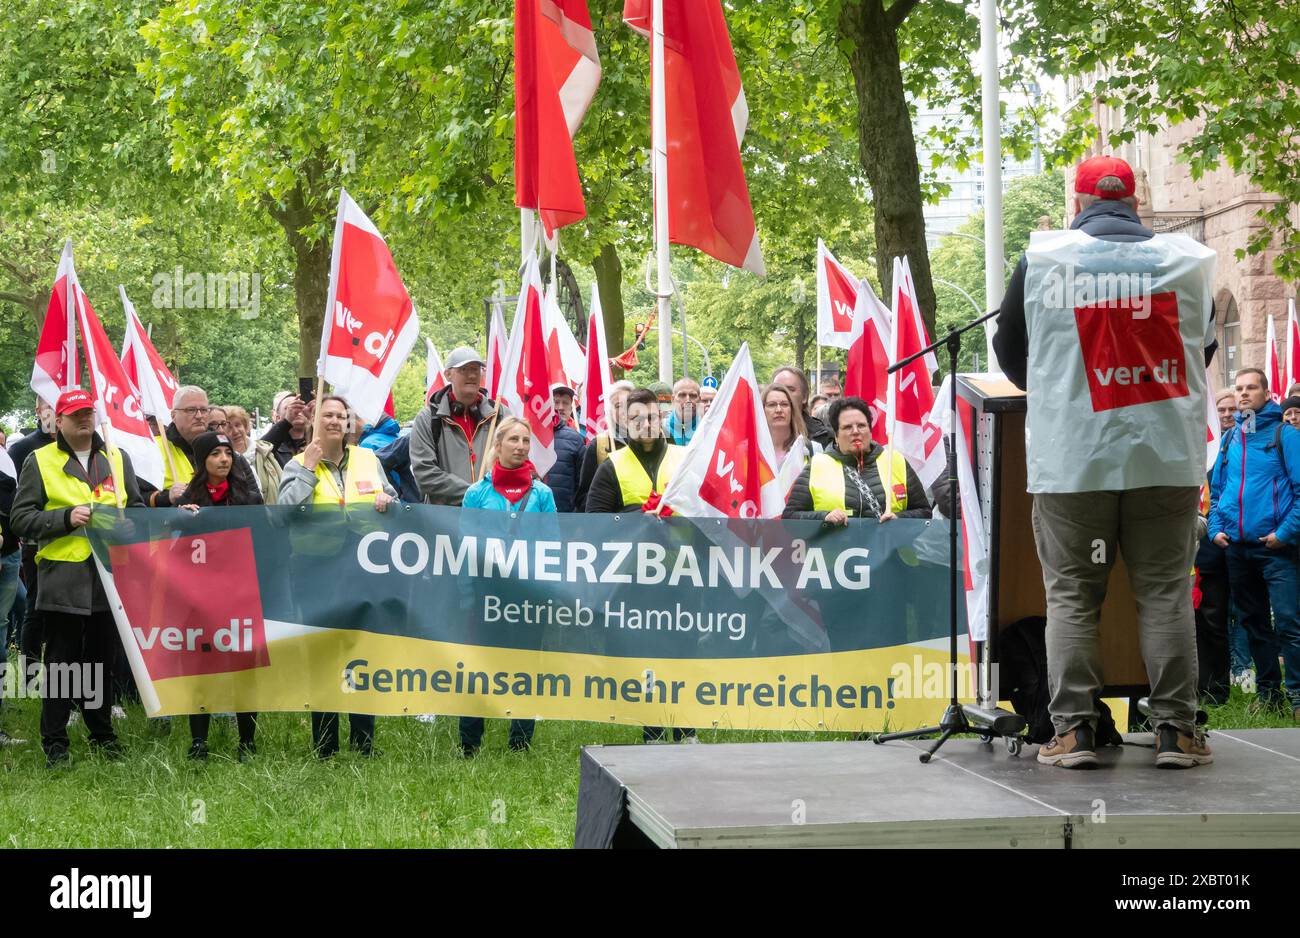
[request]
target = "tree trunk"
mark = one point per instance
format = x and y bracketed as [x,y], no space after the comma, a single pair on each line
[886,146]
[311,274]
[801,345]
[609,283]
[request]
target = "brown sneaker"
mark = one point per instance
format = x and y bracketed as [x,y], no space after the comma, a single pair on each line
[1072,750]
[1178,750]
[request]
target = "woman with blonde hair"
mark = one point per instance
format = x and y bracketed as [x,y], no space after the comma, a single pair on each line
[511,484]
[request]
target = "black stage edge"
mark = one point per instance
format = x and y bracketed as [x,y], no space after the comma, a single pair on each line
[856,794]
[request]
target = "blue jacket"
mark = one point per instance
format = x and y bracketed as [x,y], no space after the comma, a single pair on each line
[482,495]
[676,433]
[563,477]
[1252,496]
[396,460]
[379,435]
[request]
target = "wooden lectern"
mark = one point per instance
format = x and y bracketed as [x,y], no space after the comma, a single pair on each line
[1015,576]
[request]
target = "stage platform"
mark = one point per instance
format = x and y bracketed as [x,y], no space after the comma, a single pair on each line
[858,794]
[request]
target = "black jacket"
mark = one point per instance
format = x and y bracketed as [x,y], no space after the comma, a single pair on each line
[68,587]
[588,473]
[283,446]
[819,432]
[606,495]
[1107,220]
[28,445]
[800,503]
[564,475]
[8,488]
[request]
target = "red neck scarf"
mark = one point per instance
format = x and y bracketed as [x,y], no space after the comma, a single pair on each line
[219,492]
[512,483]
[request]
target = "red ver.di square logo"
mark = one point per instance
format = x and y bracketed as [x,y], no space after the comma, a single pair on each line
[1132,351]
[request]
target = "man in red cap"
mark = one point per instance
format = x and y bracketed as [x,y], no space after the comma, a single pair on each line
[1108,329]
[62,484]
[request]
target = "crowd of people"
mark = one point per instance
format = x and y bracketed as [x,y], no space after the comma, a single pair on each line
[460,450]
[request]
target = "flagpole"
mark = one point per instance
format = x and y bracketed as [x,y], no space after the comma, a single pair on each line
[70,303]
[994,274]
[659,120]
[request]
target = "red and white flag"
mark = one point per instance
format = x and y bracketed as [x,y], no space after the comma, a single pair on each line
[1273,366]
[911,395]
[526,374]
[370,322]
[1292,347]
[706,115]
[974,540]
[837,297]
[596,385]
[435,377]
[729,468]
[115,401]
[498,343]
[557,70]
[867,368]
[152,381]
[56,349]
[568,360]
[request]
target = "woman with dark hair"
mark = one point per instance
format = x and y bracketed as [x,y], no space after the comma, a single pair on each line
[215,486]
[857,477]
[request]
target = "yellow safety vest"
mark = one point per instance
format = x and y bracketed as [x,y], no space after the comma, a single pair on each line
[362,479]
[173,455]
[826,482]
[635,486]
[65,491]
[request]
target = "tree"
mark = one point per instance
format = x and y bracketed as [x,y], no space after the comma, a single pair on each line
[1230,66]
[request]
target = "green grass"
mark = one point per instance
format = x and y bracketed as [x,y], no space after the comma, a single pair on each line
[418,792]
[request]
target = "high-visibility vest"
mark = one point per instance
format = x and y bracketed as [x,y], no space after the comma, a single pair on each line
[174,457]
[1116,381]
[66,491]
[362,479]
[634,485]
[826,482]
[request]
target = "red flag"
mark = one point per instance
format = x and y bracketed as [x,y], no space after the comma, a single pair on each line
[911,395]
[150,378]
[498,343]
[867,370]
[728,468]
[568,361]
[837,297]
[115,400]
[557,70]
[526,374]
[1292,347]
[435,378]
[56,349]
[1273,366]
[706,116]
[370,323]
[595,415]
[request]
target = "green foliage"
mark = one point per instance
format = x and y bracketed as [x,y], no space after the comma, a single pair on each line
[1231,67]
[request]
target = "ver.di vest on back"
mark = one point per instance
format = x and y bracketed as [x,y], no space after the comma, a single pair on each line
[1116,382]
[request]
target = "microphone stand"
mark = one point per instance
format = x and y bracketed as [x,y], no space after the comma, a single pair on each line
[958,717]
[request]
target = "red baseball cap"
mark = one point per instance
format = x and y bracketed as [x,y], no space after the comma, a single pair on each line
[72,401]
[1088,173]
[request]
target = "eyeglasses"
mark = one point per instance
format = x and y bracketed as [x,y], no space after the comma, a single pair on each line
[192,411]
[219,425]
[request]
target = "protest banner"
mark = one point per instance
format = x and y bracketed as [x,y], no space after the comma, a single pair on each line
[622,619]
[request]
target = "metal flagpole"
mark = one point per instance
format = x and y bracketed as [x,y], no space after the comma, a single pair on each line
[70,372]
[994,282]
[659,120]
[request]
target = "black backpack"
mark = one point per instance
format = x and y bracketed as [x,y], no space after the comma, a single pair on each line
[1022,676]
